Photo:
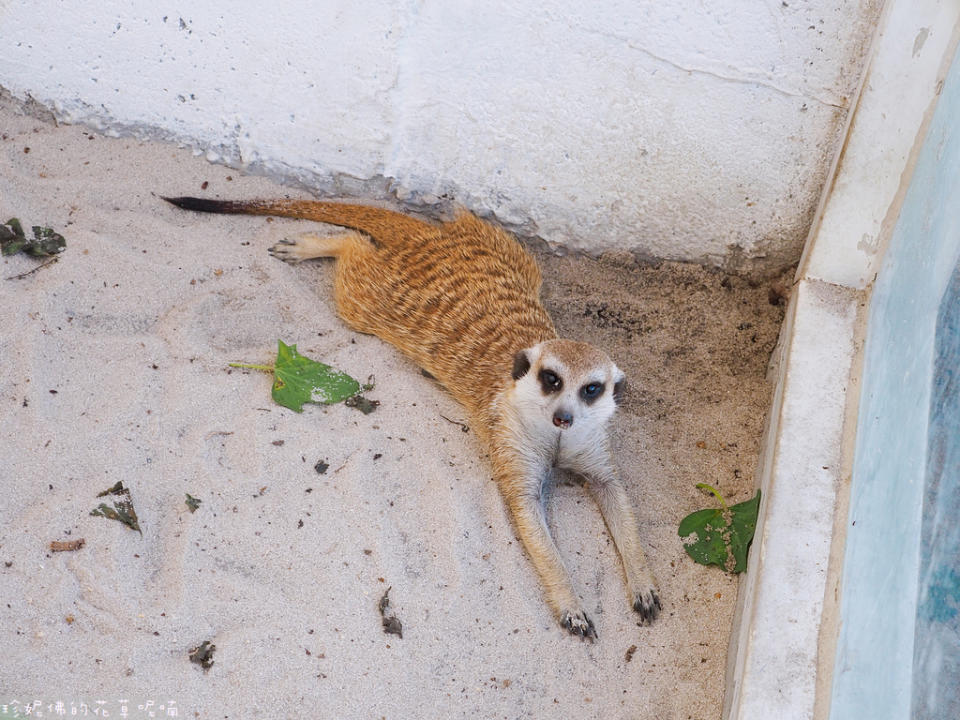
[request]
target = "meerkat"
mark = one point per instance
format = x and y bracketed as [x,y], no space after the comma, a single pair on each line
[462,299]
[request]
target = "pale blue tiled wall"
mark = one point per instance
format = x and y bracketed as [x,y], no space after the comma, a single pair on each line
[936,667]
[890,512]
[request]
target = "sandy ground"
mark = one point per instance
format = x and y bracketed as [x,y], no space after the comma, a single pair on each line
[113,367]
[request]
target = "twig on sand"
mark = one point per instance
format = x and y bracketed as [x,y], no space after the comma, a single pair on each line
[463,426]
[51,261]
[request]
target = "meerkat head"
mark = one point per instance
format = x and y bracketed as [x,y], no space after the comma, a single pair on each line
[565,385]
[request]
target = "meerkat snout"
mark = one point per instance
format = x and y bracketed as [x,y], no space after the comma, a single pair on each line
[562,419]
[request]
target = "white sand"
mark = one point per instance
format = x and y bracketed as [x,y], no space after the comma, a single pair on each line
[113,367]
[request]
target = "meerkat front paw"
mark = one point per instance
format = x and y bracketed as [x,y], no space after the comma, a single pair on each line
[647,604]
[577,623]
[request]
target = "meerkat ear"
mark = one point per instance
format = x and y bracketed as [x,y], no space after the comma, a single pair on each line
[521,364]
[619,388]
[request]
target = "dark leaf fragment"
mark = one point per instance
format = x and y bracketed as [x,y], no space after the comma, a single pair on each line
[202,655]
[44,242]
[122,509]
[362,404]
[391,624]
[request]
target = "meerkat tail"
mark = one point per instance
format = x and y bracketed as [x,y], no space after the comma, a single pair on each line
[384,226]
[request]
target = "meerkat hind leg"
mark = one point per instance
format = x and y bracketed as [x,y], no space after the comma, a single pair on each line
[309,245]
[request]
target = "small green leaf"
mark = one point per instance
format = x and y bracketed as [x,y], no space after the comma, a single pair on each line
[12,247]
[11,237]
[721,536]
[16,227]
[192,502]
[122,509]
[298,379]
[45,242]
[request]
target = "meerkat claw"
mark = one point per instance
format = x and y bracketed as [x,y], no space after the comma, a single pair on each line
[648,605]
[285,250]
[577,623]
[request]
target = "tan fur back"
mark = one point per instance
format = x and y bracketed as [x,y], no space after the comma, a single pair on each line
[460,299]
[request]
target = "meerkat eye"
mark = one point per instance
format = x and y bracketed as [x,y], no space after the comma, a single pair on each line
[550,381]
[591,391]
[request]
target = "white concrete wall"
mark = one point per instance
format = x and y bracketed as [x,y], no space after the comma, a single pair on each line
[694,131]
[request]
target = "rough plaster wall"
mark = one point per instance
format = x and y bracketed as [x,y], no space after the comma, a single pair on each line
[692,131]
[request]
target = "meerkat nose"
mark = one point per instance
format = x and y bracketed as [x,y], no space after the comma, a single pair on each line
[562,419]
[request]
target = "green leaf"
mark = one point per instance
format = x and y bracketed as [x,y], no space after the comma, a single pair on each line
[12,239]
[298,379]
[12,247]
[122,510]
[721,536]
[45,242]
[16,227]
[192,502]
